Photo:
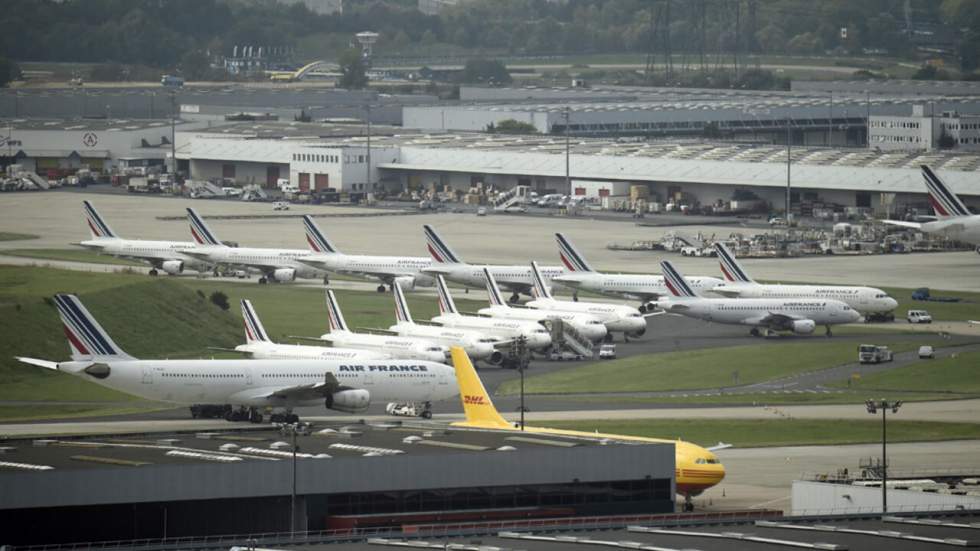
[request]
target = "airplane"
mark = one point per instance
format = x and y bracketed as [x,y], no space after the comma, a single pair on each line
[617,318]
[516,279]
[587,325]
[866,300]
[537,337]
[168,256]
[799,315]
[258,345]
[478,345]
[697,468]
[346,386]
[954,219]
[580,276]
[404,348]
[407,270]
[279,265]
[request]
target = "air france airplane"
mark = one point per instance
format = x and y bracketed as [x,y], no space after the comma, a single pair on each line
[258,345]
[347,386]
[397,347]
[477,344]
[617,318]
[580,276]
[537,336]
[406,270]
[867,300]
[587,325]
[516,279]
[799,315]
[168,256]
[953,218]
[279,265]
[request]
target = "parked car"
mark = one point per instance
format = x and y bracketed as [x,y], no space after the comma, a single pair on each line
[607,352]
[280,205]
[926,352]
[918,316]
[482,211]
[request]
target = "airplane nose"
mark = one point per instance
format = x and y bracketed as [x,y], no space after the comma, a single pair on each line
[892,303]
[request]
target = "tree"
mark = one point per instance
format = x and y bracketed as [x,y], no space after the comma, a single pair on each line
[485,71]
[194,65]
[353,75]
[511,126]
[9,70]
[220,300]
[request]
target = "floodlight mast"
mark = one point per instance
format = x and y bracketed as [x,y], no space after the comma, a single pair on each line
[873,407]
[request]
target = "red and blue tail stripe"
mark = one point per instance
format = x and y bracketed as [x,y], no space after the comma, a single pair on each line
[570,257]
[730,267]
[438,248]
[496,299]
[446,304]
[199,230]
[402,313]
[254,331]
[96,224]
[675,281]
[944,202]
[539,289]
[334,315]
[315,238]
[87,338]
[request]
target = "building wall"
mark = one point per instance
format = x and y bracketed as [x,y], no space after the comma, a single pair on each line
[93,147]
[824,498]
[903,133]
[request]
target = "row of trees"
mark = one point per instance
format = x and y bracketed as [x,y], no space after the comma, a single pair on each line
[172,33]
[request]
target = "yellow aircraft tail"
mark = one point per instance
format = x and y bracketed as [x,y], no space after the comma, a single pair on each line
[479,409]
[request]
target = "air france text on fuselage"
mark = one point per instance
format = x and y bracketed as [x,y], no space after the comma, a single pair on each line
[384,368]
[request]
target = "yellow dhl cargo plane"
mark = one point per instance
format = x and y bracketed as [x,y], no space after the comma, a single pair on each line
[696,468]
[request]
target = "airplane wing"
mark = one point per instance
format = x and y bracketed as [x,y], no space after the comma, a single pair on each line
[719,446]
[316,339]
[311,391]
[384,276]
[651,314]
[902,223]
[776,320]
[436,270]
[728,292]
[376,331]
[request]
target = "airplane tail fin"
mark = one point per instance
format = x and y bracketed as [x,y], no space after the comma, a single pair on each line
[570,256]
[201,232]
[97,226]
[87,340]
[731,268]
[944,201]
[446,304]
[439,249]
[317,241]
[479,409]
[402,313]
[675,281]
[254,331]
[539,289]
[496,299]
[334,315]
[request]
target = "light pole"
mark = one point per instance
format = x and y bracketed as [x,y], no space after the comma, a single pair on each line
[173,135]
[873,408]
[367,118]
[789,165]
[566,114]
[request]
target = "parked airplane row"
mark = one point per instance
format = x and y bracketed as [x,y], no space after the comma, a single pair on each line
[348,384]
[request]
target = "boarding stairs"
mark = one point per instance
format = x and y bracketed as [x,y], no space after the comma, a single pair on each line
[565,337]
[520,195]
[35,180]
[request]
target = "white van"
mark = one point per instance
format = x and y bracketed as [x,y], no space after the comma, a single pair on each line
[918,316]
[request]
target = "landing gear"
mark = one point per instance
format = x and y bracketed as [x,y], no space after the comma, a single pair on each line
[514,298]
[381,288]
[754,331]
[263,280]
[285,417]
[829,332]
[326,280]
[154,272]
[688,504]
[209,411]
[575,296]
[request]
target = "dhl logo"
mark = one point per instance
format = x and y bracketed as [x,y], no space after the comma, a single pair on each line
[474,400]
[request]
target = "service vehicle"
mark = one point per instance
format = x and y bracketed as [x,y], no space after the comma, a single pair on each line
[607,352]
[918,316]
[926,352]
[280,205]
[873,354]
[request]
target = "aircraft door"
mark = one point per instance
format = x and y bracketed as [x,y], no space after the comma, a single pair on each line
[147,375]
[248,375]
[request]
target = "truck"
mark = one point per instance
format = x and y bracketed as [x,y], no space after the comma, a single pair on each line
[874,354]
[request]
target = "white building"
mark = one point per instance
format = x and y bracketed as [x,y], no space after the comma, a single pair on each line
[54,148]
[923,131]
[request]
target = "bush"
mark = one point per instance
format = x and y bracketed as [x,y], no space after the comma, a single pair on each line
[220,300]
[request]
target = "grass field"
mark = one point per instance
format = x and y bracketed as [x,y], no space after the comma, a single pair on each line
[955,375]
[856,395]
[779,432]
[706,368]
[12,414]
[10,236]
[73,255]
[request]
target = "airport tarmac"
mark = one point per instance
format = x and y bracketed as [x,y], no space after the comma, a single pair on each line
[56,216]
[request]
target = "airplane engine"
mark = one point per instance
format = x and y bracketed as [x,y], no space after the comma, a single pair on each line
[803,327]
[407,283]
[648,307]
[284,274]
[496,358]
[349,401]
[173,267]
[424,280]
[640,333]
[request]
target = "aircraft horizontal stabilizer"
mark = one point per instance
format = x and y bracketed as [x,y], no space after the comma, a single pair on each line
[902,223]
[720,446]
[39,363]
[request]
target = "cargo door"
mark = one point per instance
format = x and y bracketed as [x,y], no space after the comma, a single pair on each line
[304,182]
[271,176]
[321,182]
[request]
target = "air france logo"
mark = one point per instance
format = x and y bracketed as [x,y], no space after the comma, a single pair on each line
[383,368]
[474,400]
